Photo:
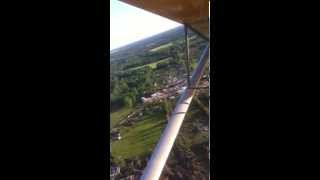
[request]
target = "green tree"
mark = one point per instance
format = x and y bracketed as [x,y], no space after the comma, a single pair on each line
[127,101]
[133,98]
[173,52]
[134,91]
[166,106]
[162,65]
[123,86]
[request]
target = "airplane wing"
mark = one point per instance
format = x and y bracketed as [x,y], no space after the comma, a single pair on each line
[193,13]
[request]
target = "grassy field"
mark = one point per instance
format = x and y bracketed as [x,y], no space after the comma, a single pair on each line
[140,139]
[161,47]
[151,65]
[118,115]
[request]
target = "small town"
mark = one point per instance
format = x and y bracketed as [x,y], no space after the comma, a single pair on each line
[171,92]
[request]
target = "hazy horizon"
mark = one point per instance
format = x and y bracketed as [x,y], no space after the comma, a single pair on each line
[129,24]
[145,38]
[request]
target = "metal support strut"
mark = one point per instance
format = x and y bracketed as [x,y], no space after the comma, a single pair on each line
[167,139]
[187,60]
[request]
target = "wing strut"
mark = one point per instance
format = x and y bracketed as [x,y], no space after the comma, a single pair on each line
[187,60]
[167,139]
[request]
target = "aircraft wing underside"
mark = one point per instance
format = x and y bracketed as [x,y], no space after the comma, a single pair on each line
[193,13]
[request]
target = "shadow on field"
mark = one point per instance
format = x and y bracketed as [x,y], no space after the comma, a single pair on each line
[150,132]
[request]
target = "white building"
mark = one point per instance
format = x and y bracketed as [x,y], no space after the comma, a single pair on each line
[182,90]
[145,100]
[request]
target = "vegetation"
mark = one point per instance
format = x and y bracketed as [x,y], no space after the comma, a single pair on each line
[139,139]
[138,71]
[138,81]
[116,116]
[161,47]
[167,108]
[152,65]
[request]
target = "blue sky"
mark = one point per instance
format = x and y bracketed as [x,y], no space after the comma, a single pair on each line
[129,24]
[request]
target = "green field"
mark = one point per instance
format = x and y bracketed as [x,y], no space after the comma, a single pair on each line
[161,47]
[119,115]
[151,65]
[140,139]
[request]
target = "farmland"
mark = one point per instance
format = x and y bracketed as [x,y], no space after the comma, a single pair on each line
[139,139]
[161,47]
[137,71]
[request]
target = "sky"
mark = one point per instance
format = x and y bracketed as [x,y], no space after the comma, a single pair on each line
[129,24]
